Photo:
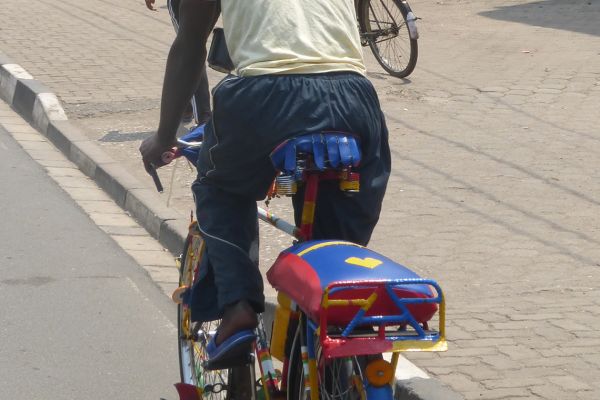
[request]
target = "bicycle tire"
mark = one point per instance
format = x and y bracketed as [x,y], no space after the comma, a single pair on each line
[193,338]
[384,28]
[339,379]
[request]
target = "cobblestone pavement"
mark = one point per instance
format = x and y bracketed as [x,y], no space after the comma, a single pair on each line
[496,179]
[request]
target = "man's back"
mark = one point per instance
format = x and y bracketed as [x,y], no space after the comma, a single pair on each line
[292,36]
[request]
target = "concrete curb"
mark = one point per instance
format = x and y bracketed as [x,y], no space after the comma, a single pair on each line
[39,106]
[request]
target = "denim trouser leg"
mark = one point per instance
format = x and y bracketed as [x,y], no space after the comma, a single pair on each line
[229,227]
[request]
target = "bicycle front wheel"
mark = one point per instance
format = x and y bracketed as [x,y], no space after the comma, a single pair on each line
[384,28]
[194,337]
[227,384]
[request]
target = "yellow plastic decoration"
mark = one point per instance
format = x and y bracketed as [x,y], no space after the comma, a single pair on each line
[280,326]
[350,186]
[367,262]
[327,244]
[379,372]
[308,212]
[416,345]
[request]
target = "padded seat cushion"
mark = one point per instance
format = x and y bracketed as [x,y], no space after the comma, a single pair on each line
[304,271]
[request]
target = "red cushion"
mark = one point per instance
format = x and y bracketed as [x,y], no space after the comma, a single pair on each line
[304,271]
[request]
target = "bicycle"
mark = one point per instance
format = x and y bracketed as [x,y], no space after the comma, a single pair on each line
[389,28]
[340,305]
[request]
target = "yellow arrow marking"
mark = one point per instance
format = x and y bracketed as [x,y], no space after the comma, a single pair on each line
[367,262]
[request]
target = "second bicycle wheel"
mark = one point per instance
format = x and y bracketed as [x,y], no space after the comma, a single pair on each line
[385,29]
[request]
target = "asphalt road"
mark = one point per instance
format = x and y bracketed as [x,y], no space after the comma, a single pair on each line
[78,318]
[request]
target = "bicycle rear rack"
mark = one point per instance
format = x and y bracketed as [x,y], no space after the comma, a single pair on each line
[395,331]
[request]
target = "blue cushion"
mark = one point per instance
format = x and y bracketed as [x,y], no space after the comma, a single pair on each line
[329,150]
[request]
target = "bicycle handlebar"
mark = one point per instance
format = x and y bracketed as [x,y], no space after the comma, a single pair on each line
[155,178]
[176,152]
[168,156]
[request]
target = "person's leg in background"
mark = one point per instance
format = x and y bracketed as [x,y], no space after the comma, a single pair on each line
[199,109]
[201,100]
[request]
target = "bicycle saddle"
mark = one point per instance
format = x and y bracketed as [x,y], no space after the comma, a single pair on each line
[329,150]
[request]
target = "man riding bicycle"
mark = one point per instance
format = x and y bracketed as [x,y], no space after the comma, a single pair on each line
[299,70]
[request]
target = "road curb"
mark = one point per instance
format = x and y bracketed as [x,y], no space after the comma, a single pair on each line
[39,106]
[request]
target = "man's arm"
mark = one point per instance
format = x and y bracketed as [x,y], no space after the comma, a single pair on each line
[186,59]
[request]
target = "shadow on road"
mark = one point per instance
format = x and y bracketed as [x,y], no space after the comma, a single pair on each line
[573,15]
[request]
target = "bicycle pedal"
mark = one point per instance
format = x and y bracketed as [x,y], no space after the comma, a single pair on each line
[178,293]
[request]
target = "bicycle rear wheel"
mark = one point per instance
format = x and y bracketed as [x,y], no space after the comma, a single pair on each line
[384,28]
[235,383]
[339,378]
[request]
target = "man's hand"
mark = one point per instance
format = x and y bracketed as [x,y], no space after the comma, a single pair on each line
[152,149]
[150,4]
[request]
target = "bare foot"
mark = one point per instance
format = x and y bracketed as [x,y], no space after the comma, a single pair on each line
[237,317]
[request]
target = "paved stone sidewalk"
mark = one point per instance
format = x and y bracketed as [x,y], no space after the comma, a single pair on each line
[496,183]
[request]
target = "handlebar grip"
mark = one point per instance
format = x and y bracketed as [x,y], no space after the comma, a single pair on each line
[168,156]
[156,179]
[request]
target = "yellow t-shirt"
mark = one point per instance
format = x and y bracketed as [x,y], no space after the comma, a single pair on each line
[292,36]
